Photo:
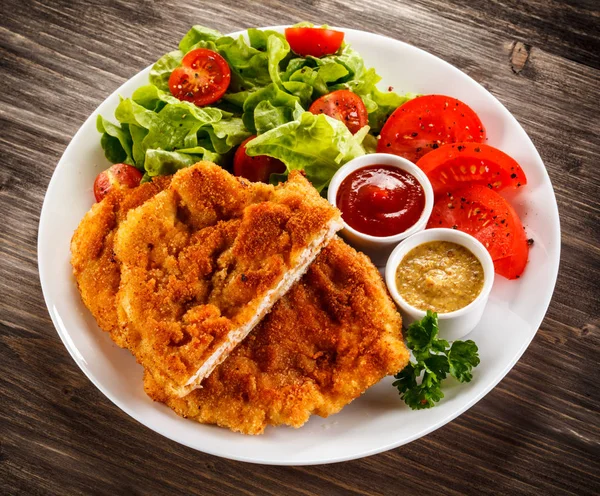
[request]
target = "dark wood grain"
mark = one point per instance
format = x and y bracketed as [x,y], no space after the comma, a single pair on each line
[536,433]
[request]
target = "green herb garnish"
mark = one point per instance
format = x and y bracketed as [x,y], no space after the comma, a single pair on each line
[435,358]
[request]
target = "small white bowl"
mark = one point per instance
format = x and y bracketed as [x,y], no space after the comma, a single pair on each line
[453,325]
[378,248]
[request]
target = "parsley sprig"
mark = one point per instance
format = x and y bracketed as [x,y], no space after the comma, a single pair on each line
[435,359]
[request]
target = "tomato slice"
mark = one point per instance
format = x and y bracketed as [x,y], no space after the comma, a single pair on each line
[202,78]
[485,215]
[513,266]
[454,165]
[117,176]
[426,123]
[344,106]
[256,169]
[314,41]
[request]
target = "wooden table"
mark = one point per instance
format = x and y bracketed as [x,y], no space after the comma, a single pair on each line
[536,433]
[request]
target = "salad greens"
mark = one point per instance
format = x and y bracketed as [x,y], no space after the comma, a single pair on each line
[270,91]
[317,144]
[435,359]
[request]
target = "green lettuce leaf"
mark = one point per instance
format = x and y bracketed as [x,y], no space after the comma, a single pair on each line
[258,38]
[332,72]
[225,134]
[269,91]
[201,153]
[267,116]
[198,34]
[347,57]
[380,105]
[113,150]
[272,94]
[301,90]
[237,99]
[277,50]
[129,112]
[177,126]
[294,65]
[162,69]
[249,66]
[318,77]
[138,134]
[153,98]
[363,81]
[317,144]
[163,163]
[312,78]
[115,141]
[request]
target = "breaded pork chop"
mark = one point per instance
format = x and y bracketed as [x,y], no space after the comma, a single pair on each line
[92,256]
[203,261]
[333,335]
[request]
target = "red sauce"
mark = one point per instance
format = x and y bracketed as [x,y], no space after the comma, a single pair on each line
[380,200]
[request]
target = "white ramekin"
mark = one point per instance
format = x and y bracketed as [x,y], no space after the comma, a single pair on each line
[378,248]
[453,325]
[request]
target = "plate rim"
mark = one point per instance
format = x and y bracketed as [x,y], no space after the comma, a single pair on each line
[540,314]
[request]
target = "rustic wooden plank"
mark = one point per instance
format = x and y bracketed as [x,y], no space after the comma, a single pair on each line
[537,432]
[568,29]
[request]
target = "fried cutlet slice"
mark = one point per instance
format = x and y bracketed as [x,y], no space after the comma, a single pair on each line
[203,261]
[94,265]
[333,335]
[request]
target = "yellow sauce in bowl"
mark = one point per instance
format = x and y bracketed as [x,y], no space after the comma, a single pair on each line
[440,276]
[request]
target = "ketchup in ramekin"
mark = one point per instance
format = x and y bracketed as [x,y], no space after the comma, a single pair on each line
[380,200]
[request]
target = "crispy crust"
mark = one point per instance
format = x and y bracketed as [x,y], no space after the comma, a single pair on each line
[335,334]
[332,336]
[95,267]
[204,260]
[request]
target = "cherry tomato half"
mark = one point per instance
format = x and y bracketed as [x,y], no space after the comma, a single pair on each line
[426,123]
[344,106]
[484,214]
[454,165]
[202,78]
[314,41]
[256,169]
[117,176]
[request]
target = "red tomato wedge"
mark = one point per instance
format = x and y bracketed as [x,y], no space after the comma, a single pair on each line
[202,78]
[256,169]
[485,215]
[512,267]
[426,123]
[317,42]
[454,165]
[117,176]
[344,106]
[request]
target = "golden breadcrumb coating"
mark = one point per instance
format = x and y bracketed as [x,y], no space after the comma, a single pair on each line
[95,267]
[333,335]
[205,259]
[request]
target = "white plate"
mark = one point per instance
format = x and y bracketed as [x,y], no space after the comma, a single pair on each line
[377,421]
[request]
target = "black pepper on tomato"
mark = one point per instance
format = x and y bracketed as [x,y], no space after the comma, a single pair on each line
[454,165]
[202,78]
[427,122]
[344,106]
[487,216]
